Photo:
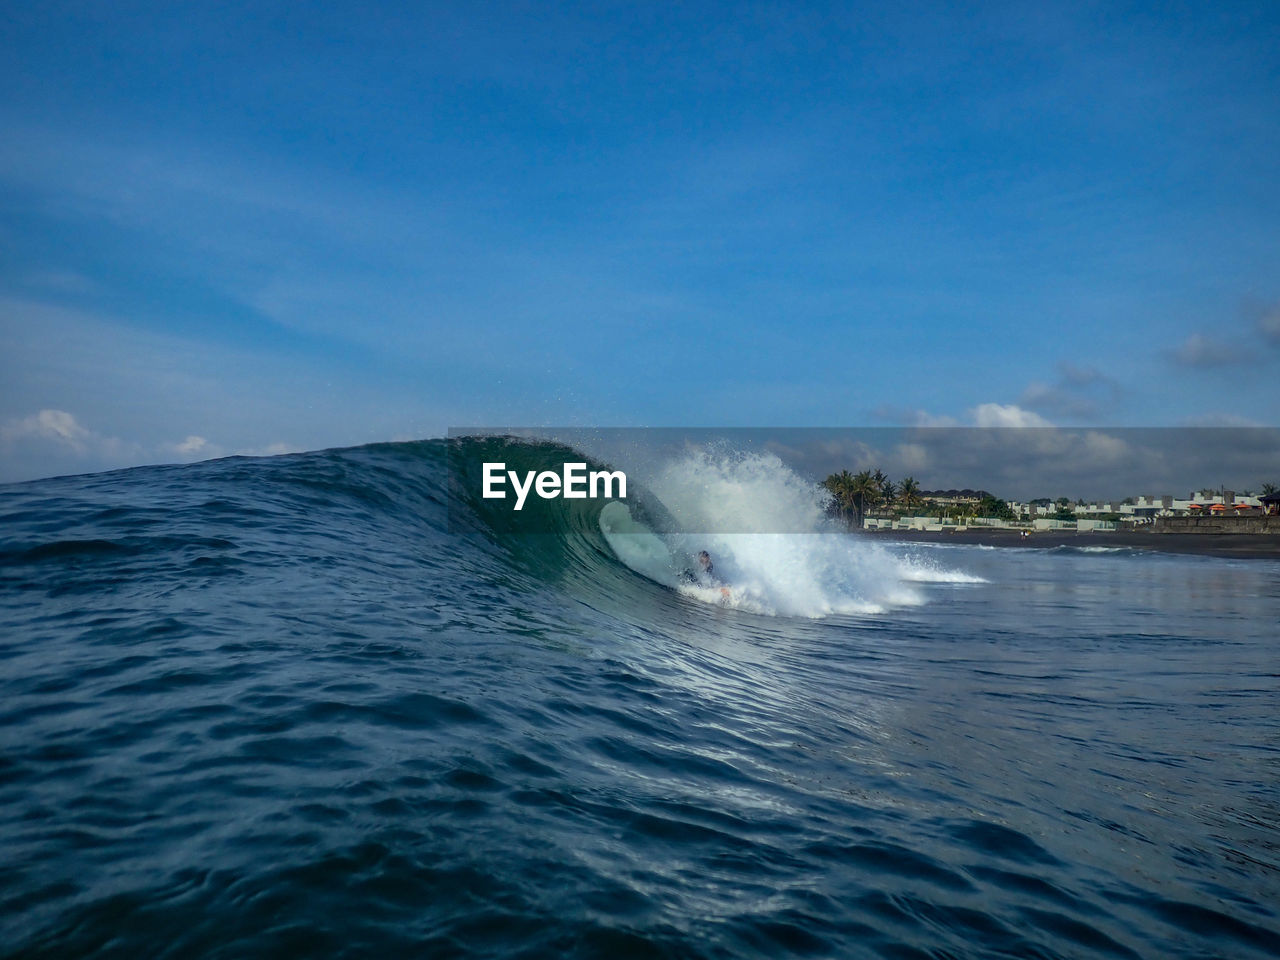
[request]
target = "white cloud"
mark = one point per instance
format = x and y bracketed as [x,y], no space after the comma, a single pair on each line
[61,442]
[56,425]
[157,389]
[198,448]
[191,445]
[1006,415]
[54,441]
[983,415]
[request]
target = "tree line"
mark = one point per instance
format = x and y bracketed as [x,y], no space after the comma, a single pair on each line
[853,494]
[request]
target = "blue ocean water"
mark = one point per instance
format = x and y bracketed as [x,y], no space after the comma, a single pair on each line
[307,705]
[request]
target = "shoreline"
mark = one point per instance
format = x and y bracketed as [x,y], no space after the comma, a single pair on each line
[1250,546]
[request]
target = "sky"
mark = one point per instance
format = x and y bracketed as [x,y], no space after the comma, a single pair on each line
[254,228]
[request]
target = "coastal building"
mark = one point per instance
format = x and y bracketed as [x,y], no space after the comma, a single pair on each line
[1031,508]
[1100,507]
[954,498]
[1147,507]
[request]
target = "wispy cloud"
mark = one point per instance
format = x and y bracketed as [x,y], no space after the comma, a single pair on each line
[1204,352]
[191,446]
[982,415]
[1006,415]
[1269,325]
[55,425]
[1079,393]
[58,442]
[1252,339]
[84,392]
[1221,420]
[62,444]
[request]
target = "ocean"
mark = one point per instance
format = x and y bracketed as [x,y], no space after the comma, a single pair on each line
[326,704]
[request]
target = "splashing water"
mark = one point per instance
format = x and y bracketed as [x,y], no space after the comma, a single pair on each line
[818,571]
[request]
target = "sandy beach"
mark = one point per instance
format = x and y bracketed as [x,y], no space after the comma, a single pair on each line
[1240,545]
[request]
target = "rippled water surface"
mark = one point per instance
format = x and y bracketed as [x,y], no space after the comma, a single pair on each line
[266,707]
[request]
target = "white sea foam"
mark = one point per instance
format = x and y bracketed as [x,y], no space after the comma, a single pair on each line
[933,545]
[918,571]
[1072,548]
[815,571]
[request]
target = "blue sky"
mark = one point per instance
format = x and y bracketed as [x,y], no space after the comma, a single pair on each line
[255,227]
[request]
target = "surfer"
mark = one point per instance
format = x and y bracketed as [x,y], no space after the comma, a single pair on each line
[704,561]
[706,574]
[706,577]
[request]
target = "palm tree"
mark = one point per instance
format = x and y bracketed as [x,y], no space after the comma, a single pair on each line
[888,492]
[879,479]
[832,486]
[1270,489]
[909,492]
[840,486]
[865,490]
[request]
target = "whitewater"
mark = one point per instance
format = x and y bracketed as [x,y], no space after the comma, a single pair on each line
[734,502]
[335,703]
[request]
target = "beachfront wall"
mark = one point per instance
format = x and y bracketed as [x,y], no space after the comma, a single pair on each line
[1048,523]
[918,523]
[1100,525]
[1079,525]
[1254,523]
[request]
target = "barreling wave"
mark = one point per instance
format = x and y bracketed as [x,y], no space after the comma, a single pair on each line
[715,499]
